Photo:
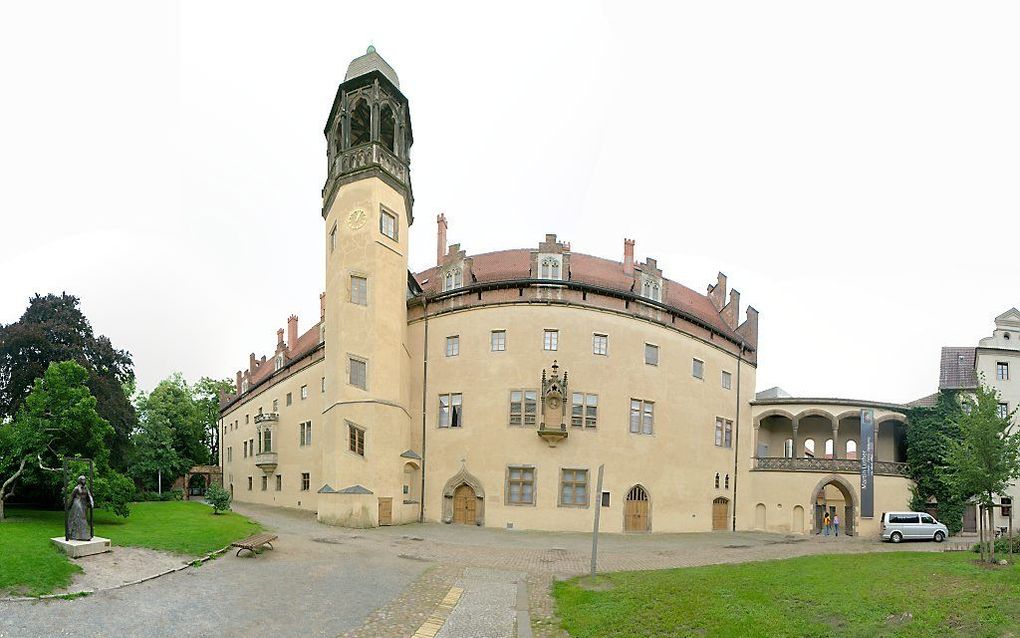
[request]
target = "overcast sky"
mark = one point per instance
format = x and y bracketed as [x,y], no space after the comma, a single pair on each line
[853,168]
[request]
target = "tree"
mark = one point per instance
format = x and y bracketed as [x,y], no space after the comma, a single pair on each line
[986,457]
[155,454]
[53,329]
[931,431]
[207,397]
[218,497]
[172,434]
[58,419]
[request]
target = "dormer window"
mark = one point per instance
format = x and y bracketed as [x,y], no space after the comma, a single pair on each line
[278,363]
[550,268]
[454,279]
[244,386]
[650,289]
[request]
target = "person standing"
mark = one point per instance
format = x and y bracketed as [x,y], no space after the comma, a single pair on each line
[835,523]
[827,523]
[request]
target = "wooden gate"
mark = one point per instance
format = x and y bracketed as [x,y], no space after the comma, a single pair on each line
[465,504]
[970,518]
[635,511]
[386,511]
[720,514]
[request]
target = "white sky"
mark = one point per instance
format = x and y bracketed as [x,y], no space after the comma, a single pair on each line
[853,168]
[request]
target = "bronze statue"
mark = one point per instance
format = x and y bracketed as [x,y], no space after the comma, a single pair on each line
[78,528]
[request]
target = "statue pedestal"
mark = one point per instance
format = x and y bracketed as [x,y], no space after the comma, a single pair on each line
[78,549]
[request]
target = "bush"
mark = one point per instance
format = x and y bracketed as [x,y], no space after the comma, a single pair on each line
[1001,546]
[167,495]
[218,497]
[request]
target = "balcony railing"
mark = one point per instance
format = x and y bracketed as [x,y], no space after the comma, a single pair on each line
[266,417]
[846,466]
[266,461]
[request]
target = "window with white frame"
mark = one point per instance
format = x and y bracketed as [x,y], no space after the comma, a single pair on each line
[723,432]
[306,433]
[244,385]
[1002,370]
[278,362]
[498,340]
[651,354]
[600,344]
[453,346]
[523,407]
[727,380]
[355,439]
[520,488]
[451,410]
[359,290]
[549,268]
[454,278]
[304,392]
[358,376]
[551,340]
[388,224]
[574,488]
[276,405]
[1003,410]
[642,416]
[651,289]
[698,369]
[584,410]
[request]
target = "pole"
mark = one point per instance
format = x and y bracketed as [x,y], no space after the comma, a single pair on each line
[981,529]
[160,476]
[595,527]
[1010,530]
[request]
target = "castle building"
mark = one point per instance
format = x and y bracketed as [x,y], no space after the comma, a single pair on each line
[490,388]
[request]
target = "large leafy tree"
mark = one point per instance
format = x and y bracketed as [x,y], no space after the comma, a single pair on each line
[986,458]
[58,419]
[207,397]
[931,431]
[53,328]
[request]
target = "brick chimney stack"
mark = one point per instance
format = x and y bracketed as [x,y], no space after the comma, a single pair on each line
[628,256]
[441,239]
[291,332]
[251,363]
[237,386]
[279,339]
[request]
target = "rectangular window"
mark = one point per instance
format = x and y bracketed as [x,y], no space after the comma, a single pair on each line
[651,355]
[584,410]
[358,373]
[290,399]
[600,344]
[552,340]
[642,416]
[574,488]
[453,346]
[523,407]
[359,290]
[605,499]
[251,447]
[1003,410]
[304,392]
[451,413]
[723,432]
[267,444]
[305,433]
[388,224]
[249,483]
[332,239]
[306,481]
[1002,371]
[698,369]
[245,449]
[230,454]
[727,380]
[356,439]
[265,483]
[520,485]
[1006,504]
[498,340]
[279,482]
[276,405]
[323,384]
[247,418]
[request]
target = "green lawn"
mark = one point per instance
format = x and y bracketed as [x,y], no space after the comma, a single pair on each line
[31,564]
[882,594]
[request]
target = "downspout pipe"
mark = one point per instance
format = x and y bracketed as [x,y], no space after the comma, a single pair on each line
[736,436]
[424,394]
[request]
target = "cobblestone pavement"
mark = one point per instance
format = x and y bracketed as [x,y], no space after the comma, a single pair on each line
[374,583]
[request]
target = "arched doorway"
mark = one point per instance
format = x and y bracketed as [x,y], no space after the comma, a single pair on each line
[759,516]
[720,514]
[636,511]
[464,505]
[833,495]
[798,519]
[196,485]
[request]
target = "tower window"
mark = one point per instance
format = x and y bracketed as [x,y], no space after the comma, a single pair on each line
[642,416]
[1002,371]
[359,290]
[358,373]
[600,344]
[388,128]
[453,346]
[727,380]
[551,341]
[498,340]
[698,369]
[356,438]
[651,354]
[451,410]
[388,225]
[361,123]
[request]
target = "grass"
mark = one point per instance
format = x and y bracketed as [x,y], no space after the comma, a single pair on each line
[914,594]
[30,564]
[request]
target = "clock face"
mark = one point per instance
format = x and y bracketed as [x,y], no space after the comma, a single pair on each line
[357,219]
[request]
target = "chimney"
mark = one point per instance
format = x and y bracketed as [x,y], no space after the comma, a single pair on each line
[717,293]
[237,386]
[441,239]
[628,256]
[731,311]
[749,329]
[291,332]
[251,363]
[279,339]
[322,307]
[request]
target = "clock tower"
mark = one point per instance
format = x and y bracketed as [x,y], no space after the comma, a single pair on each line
[366,205]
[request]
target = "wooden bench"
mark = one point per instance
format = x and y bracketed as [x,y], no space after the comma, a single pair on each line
[252,543]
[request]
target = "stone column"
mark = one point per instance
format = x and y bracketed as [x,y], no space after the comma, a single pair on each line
[754,453]
[835,439]
[796,441]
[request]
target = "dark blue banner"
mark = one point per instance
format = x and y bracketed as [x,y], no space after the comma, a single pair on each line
[867,463]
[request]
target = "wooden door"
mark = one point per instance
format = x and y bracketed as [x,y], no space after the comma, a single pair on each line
[635,511]
[720,514]
[386,511]
[465,504]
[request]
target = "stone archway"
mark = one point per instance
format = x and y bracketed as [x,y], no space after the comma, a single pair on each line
[847,509]
[453,488]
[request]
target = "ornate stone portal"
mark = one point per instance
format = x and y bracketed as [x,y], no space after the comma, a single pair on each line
[553,427]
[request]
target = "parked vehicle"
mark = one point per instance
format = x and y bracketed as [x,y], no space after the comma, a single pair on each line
[907,526]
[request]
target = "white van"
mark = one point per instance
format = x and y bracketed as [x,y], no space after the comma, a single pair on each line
[907,526]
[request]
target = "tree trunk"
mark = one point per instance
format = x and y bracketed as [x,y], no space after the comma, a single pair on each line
[1,510]
[981,529]
[991,527]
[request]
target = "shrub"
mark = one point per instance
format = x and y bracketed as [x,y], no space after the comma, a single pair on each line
[1001,546]
[218,497]
[167,495]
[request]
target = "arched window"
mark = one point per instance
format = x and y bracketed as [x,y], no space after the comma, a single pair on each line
[828,448]
[716,480]
[361,123]
[809,448]
[550,268]
[651,290]
[788,449]
[267,445]
[454,279]
[387,127]
[727,481]
[851,449]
